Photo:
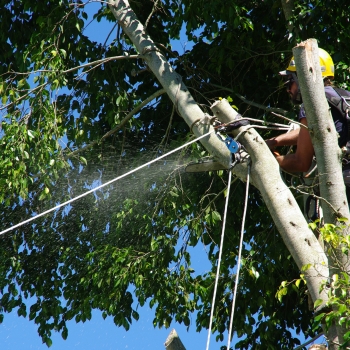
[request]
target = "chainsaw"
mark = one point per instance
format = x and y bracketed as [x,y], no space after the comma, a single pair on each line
[204,165]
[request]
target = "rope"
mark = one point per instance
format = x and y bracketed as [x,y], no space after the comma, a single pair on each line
[239,259]
[103,185]
[257,127]
[219,260]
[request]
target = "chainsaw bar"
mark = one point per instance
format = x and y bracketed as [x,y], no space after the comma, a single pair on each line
[204,165]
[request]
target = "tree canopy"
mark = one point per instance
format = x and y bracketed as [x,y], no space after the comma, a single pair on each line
[71,119]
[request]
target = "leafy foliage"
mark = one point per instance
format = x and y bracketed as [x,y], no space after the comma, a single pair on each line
[111,251]
[338,307]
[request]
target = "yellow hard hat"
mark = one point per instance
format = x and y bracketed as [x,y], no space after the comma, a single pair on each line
[326,63]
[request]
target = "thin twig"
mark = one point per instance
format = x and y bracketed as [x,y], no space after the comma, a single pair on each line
[288,119]
[167,132]
[120,125]
[318,197]
[151,14]
[104,60]
[251,103]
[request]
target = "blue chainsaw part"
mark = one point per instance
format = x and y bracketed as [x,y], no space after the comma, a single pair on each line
[232,145]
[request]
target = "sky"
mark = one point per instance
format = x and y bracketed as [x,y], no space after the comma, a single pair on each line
[18,333]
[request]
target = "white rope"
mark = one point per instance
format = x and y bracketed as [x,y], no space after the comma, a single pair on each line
[239,260]
[219,260]
[103,185]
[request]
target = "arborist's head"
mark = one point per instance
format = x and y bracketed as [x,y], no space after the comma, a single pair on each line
[290,75]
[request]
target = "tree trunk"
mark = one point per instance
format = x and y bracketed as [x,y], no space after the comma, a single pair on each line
[328,154]
[322,131]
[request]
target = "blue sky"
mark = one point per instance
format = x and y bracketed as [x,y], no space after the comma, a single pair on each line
[18,333]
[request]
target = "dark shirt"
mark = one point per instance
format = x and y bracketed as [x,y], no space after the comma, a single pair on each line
[339,121]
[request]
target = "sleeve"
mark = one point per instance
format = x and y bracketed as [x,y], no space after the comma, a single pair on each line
[302,113]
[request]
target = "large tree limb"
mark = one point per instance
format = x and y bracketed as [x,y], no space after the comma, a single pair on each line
[284,209]
[168,78]
[322,130]
[265,171]
[327,151]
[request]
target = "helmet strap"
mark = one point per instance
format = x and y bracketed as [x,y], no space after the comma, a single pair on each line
[298,98]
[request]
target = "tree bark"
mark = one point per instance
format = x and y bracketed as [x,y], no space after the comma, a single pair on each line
[284,210]
[288,8]
[168,78]
[322,131]
[173,342]
[328,155]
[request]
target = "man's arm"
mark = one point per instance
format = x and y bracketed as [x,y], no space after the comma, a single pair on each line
[287,139]
[301,160]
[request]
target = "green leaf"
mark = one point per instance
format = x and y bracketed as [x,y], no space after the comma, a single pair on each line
[342,320]
[48,342]
[65,333]
[135,315]
[347,336]
[306,267]
[63,53]
[319,317]
[317,303]
[23,84]
[42,196]
[31,133]
[83,160]
[281,293]
[215,216]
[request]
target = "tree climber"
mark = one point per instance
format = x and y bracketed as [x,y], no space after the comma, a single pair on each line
[301,160]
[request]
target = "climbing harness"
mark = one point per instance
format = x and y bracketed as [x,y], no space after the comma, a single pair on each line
[312,202]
